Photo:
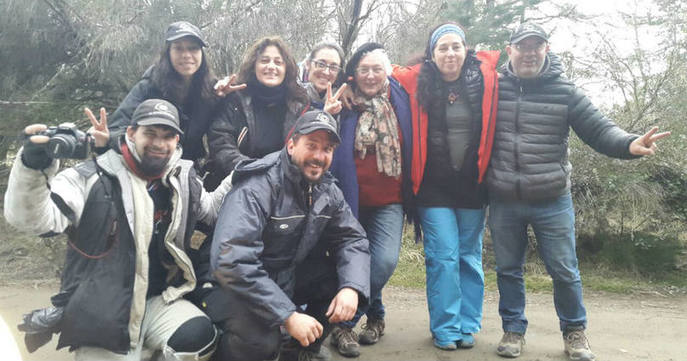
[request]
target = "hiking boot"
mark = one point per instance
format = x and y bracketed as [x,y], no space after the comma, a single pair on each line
[511,344]
[468,341]
[372,331]
[298,353]
[346,341]
[577,346]
[446,346]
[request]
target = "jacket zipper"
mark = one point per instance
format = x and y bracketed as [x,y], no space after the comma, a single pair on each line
[516,152]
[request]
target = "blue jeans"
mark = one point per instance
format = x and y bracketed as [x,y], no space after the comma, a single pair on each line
[384,228]
[455,279]
[553,223]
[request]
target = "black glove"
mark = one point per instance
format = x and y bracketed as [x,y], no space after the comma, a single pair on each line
[35,156]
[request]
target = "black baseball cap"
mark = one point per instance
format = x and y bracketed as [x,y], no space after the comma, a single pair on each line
[317,120]
[157,112]
[180,29]
[525,30]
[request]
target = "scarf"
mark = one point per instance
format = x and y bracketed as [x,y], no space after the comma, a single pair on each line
[267,96]
[378,128]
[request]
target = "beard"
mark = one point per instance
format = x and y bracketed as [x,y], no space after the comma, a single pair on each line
[153,166]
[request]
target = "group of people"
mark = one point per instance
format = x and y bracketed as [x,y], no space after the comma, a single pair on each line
[302,184]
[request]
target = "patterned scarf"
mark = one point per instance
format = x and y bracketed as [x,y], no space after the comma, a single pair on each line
[378,128]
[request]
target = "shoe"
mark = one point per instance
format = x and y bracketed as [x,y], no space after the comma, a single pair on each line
[372,331]
[577,346]
[511,344]
[468,341]
[346,341]
[300,354]
[446,346]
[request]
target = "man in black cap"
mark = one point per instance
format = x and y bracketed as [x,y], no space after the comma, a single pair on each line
[129,215]
[529,182]
[286,238]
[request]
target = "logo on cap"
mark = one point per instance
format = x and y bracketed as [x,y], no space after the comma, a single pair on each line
[322,117]
[162,107]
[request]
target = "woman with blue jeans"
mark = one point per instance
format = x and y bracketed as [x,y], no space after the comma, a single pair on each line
[453,97]
[372,166]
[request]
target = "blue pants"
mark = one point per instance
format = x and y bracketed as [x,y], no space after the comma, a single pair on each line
[553,223]
[384,228]
[455,279]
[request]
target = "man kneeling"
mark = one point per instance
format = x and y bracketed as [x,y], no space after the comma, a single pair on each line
[286,237]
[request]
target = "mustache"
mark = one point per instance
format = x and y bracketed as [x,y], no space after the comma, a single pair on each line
[316,163]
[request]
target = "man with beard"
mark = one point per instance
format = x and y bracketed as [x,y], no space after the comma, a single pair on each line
[129,215]
[528,182]
[287,251]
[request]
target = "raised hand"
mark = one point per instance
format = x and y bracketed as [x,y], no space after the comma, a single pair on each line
[332,104]
[99,129]
[646,144]
[226,86]
[343,306]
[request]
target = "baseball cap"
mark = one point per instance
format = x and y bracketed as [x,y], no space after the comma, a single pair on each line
[525,30]
[317,120]
[179,29]
[157,112]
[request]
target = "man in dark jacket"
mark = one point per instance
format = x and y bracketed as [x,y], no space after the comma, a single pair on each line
[285,237]
[129,215]
[529,182]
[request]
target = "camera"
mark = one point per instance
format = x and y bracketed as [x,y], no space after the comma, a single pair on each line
[67,141]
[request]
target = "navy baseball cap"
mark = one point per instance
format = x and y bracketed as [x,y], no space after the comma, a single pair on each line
[180,29]
[525,30]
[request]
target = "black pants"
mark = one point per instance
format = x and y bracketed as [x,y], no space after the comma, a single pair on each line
[247,337]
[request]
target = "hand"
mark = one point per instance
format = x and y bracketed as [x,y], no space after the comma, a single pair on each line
[332,104]
[225,86]
[347,98]
[343,306]
[99,129]
[303,328]
[646,144]
[35,154]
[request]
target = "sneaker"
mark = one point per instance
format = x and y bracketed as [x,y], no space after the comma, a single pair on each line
[511,344]
[346,341]
[372,331]
[446,346]
[468,341]
[577,346]
[300,354]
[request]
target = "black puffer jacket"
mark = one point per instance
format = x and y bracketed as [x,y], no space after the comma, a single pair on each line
[231,137]
[529,160]
[195,116]
[270,221]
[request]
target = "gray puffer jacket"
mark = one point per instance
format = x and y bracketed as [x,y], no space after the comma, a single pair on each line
[270,222]
[529,159]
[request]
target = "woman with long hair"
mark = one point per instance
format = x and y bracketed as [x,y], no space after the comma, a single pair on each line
[256,121]
[453,97]
[183,77]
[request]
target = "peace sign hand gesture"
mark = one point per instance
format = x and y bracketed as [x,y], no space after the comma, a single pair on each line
[332,104]
[225,86]
[99,130]
[646,144]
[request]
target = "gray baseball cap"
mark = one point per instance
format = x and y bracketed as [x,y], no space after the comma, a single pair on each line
[525,30]
[180,29]
[317,120]
[157,112]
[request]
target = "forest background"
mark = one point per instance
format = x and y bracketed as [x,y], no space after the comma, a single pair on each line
[58,56]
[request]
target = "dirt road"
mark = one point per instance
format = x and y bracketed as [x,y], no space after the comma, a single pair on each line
[622,328]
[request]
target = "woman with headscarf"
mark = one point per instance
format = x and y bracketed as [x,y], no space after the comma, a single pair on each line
[453,97]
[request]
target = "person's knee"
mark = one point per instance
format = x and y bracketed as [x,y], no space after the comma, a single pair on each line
[195,336]
[233,346]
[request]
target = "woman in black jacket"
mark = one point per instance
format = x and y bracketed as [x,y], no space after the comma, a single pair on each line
[182,77]
[256,121]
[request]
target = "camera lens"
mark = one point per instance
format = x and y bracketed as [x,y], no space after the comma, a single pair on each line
[61,145]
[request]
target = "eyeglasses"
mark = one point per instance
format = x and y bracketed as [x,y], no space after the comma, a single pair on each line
[524,48]
[321,65]
[364,71]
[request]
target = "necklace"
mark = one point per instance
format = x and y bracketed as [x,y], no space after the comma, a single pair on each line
[452,95]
